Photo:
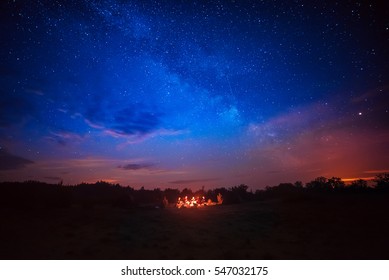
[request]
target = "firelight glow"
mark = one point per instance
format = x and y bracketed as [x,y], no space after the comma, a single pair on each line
[190,94]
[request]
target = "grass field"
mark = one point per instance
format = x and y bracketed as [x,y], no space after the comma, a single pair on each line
[322,227]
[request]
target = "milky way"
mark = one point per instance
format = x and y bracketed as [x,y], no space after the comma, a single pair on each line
[193,93]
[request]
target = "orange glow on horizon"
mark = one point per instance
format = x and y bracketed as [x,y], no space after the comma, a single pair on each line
[356,179]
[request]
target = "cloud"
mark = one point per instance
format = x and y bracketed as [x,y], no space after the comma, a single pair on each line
[370,94]
[135,166]
[64,137]
[135,123]
[11,162]
[190,181]
[130,121]
[376,171]
[89,162]
[35,91]
[324,116]
[292,121]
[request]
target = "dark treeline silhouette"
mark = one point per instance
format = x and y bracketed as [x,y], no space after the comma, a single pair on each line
[39,195]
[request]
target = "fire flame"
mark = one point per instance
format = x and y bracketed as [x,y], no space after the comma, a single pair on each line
[197,202]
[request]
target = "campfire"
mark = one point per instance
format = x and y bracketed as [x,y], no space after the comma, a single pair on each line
[197,201]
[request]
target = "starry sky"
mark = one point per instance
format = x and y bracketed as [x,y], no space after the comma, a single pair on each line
[193,93]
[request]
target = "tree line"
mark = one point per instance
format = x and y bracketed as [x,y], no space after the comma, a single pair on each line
[40,195]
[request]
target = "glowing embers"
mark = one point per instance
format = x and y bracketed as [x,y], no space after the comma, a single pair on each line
[197,202]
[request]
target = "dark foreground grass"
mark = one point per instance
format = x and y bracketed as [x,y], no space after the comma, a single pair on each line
[315,227]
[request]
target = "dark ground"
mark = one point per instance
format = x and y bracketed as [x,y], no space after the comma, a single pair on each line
[352,226]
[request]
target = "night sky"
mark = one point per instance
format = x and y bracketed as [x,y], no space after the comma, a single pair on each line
[193,93]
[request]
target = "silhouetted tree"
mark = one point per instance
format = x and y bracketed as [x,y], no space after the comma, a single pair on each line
[215,192]
[259,195]
[336,183]
[382,182]
[171,195]
[200,193]
[38,195]
[285,188]
[298,184]
[237,194]
[187,192]
[284,191]
[319,184]
[358,185]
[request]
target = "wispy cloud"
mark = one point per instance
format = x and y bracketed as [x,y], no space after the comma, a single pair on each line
[292,122]
[376,171]
[89,162]
[135,125]
[64,137]
[9,161]
[373,93]
[35,91]
[136,166]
